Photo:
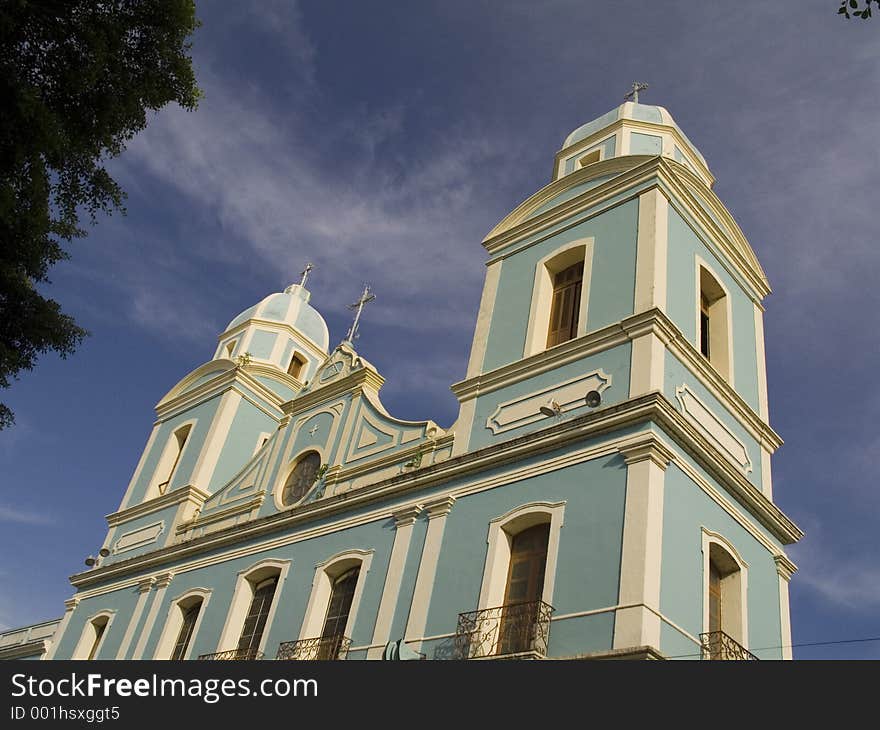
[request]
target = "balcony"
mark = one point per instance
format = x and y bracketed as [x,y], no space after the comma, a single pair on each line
[515,631]
[326,648]
[717,645]
[233,655]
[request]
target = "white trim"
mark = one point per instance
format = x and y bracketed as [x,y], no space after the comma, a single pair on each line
[241,600]
[711,426]
[784,568]
[135,478]
[647,365]
[322,588]
[161,585]
[174,621]
[766,474]
[260,441]
[651,251]
[723,363]
[763,405]
[87,636]
[167,458]
[404,520]
[69,607]
[735,587]
[437,510]
[642,546]
[484,318]
[216,439]
[542,291]
[143,589]
[284,474]
[501,531]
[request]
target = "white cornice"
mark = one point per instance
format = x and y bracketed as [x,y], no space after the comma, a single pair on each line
[651,407]
[280,327]
[188,493]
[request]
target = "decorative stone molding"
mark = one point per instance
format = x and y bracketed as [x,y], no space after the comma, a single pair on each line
[784,567]
[647,447]
[177,496]
[713,428]
[439,507]
[138,538]
[525,409]
[406,515]
[145,585]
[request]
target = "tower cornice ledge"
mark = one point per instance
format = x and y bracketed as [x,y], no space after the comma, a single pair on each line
[652,407]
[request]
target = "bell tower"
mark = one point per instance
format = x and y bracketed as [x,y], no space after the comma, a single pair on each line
[627,277]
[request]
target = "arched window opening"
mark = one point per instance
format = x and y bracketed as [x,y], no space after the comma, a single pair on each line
[301,478]
[297,364]
[333,633]
[524,589]
[725,619]
[714,324]
[169,460]
[565,308]
[190,615]
[100,627]
[258,613]
[230,348]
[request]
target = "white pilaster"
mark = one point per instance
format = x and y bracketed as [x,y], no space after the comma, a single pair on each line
[143,588]
[215,440]
[484,319]
[404,521]
[763,406]
[140,467]
[647,363]
[437,511]
[638,622]
[162,583]
[651,251]
[785,568]
[69,607]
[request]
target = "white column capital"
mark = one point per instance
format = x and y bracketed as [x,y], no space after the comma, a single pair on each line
[647,447]
[439,507]
[145,585]
[784,567]
[406,515]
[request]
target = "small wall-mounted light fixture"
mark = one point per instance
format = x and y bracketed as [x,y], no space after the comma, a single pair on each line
[593,399]
[103,552]
[91,560]
[551,409]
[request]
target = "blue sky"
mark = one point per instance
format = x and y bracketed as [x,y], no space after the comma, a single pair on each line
[382,141]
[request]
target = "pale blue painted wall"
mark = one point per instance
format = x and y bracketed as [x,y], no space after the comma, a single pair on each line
[608,147]
[261,344]
[681,299]
[122,601]
[645,144]
[612,283]
[248,422]
[615,362]
[570,193]
[686,508]
[675,375]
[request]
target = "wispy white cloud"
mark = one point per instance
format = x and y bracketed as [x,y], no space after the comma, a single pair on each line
[23,517]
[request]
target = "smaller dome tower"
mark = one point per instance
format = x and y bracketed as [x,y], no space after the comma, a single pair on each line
[281,330]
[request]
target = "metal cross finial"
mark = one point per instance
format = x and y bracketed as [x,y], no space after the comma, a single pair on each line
[305,275]
[366,298]
[637,87]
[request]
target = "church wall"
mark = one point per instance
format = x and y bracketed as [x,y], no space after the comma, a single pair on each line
[121,602]
[165,516]
[612,283]
[261,344]
[588,566]
[248,423]
[615,362]
[203,415]
[684,246]
[686,511]
[677,375]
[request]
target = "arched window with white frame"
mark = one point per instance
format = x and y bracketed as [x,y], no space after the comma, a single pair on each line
[332,609]
[93,635]
[182,625]
[253,607]
[560,297]
[714,331]
[169,460]
[725,599]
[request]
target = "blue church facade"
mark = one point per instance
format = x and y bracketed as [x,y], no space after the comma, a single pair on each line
[606,491]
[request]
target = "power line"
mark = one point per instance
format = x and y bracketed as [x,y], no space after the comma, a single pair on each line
[794,646]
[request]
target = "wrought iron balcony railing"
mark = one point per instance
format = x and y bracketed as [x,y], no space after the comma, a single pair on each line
[234,655]
[327,648]
[718,645]
[518,628]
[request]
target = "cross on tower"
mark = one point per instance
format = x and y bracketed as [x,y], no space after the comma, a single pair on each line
[636,88]
[305,275]
[366,298]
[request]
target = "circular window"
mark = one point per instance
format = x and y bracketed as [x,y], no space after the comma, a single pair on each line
[301,478]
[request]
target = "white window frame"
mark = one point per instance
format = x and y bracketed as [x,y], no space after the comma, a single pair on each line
[502,530]
[87,636]
[322,588]
[734,590]
[722,363]
[167,458]
[241,601]
[542,291]
[285,473]
[174,621]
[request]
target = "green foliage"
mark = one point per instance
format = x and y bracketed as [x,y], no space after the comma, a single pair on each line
[77,78]
[856,8]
